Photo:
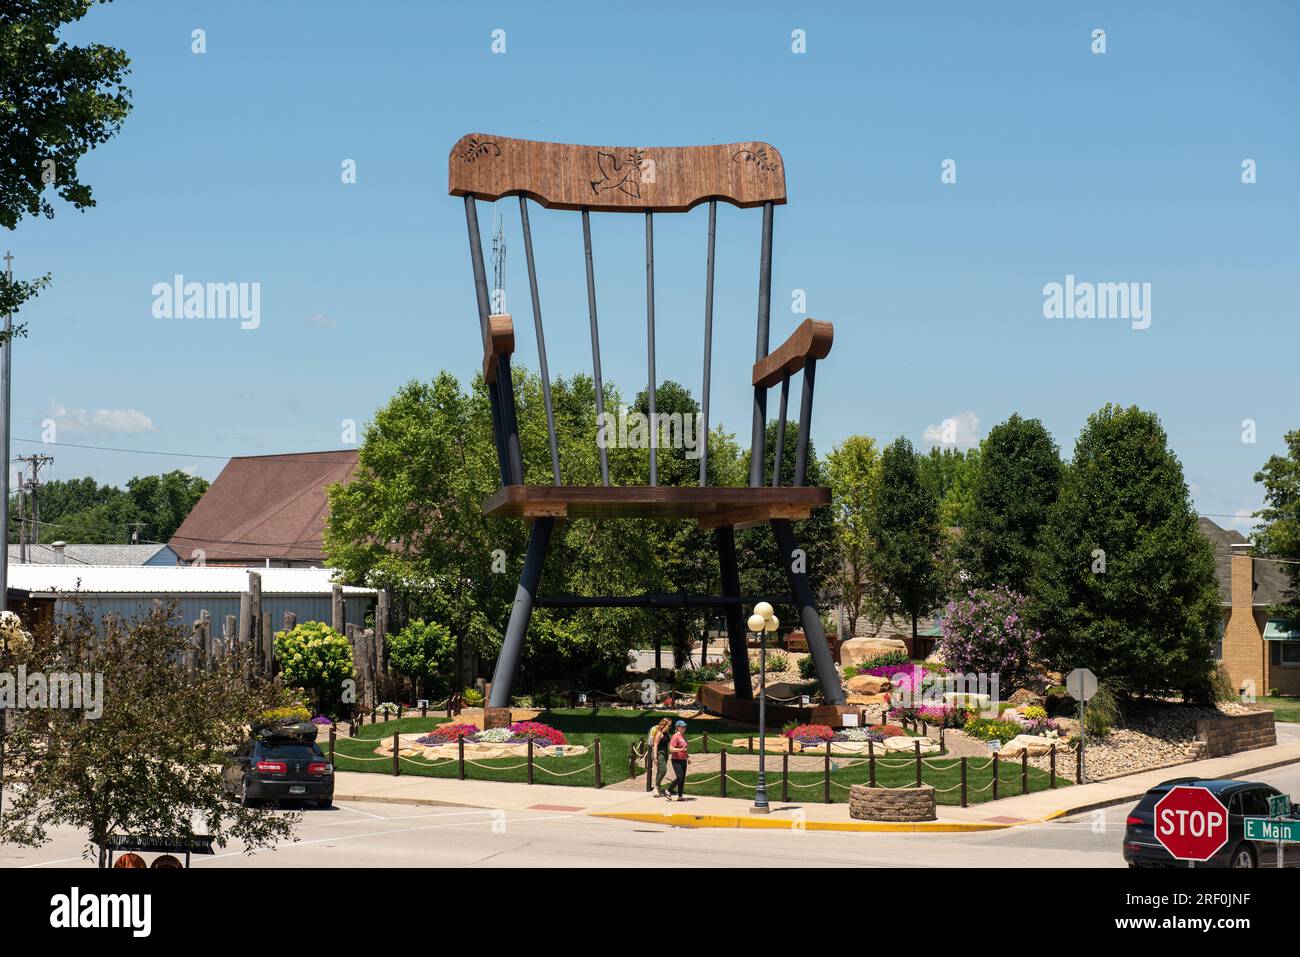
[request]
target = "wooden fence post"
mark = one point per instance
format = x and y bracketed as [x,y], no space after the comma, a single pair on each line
[229,630]
[996,775]
[599,783]
[336,608]
[268,646]
[917,746]
[827,785]
[1024,771]
[530,760]
[256,648]
[650,759]
[723,778]
[396,756]
[963,782]
[333,733]
[871,763]
[1078,764]
[785,777]
[244,640]
[381,631]
[706,742]
[1052,772]
[460,748]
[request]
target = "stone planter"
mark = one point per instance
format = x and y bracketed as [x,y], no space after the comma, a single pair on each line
[884,804]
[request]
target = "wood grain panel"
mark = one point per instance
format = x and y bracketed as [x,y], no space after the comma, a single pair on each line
[812,340]
[501,341]
[749,505]
[669,179]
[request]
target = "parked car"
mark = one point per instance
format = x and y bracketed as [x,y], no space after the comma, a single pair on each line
[279,763]
[1241,798]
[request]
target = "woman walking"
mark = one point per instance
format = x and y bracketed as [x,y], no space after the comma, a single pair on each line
[677,748]
[659,749]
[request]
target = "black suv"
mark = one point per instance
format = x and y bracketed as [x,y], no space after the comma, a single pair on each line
[1241,798]
[280,763]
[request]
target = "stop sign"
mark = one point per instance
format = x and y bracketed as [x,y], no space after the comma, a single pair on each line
[1191,823]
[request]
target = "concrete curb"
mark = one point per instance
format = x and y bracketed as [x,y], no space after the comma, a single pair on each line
[786,824]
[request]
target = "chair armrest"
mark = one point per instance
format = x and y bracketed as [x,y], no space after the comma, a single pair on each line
[500,342]
[811,341]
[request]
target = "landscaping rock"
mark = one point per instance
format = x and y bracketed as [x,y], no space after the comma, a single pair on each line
[1024,697]
[965,699]
[1034,744]
[908,744]
[867,684]
[857,650]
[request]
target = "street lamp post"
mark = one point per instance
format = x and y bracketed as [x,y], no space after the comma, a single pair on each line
[761,622]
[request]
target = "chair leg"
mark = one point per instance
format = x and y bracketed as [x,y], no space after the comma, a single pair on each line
[503,675]
[827,674]
[726,538]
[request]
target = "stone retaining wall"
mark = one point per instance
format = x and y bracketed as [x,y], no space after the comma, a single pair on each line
[884,804]
[1235,732]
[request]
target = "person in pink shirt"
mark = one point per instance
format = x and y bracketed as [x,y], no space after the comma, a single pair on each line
[677,749]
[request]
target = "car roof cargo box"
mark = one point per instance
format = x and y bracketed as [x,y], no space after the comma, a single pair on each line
[303,731]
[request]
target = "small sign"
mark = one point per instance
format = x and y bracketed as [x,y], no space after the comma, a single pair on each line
[803,700]
[582,699]
[422,704]
[850,720]
[1279,805]
[1081,684]
[559,751]
[1264,829]
[995,745]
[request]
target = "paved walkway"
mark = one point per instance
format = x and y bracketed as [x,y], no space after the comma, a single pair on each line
[729,812]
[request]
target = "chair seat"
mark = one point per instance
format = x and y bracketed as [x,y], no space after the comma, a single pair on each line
[711,507]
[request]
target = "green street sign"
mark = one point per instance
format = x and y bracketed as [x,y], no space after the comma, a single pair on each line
[1263,829]
[1279,805]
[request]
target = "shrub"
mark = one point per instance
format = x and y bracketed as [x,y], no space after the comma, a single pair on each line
[992,729]
[808,668]
[944,715]
[1103,710]
[986,633]
[425,652]
[777,661]
[317,659]
[1223,688]
[293,712]
[890,659]
[1035,713]
[472,697]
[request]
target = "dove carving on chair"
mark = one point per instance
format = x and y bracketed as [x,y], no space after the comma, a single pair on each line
[621,176]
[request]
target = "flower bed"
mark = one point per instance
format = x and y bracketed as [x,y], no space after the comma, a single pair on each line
[521,732]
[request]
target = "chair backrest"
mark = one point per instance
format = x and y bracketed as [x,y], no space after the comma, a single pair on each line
[640,179]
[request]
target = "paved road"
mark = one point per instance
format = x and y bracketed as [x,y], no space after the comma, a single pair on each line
[389,835]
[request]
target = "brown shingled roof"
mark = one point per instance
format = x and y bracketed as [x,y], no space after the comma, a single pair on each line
[1271,581]
[265,506]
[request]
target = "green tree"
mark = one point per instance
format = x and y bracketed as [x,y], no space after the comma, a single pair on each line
[951,475]
[1123,581]
[59,101]
[853,471]
[1279,537]
[425,652]
[906,530]
[164,500]
[149,763]
[1018,480]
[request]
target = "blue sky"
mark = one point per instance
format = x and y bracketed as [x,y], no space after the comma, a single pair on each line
[1115,167]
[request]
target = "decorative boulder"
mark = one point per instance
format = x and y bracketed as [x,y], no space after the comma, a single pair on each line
[1032,743]
[908,744]
[967,700]
[1024,696]
[857,650]
[867,684]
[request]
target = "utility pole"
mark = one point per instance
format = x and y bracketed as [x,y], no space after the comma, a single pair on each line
[22,522]
[35,462]
[8,347]
[135,531]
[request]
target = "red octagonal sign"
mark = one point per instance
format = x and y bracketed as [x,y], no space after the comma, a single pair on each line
[1191,823]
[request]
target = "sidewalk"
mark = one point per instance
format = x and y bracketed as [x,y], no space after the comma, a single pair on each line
[728,812]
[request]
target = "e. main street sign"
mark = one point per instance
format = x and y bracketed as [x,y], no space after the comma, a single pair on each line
[1264,829]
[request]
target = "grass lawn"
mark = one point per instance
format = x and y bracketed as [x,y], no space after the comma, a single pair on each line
[943,773]
[1284,709]
[618,729]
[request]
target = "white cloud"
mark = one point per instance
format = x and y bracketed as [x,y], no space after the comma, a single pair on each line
[101,420]
[958,431]
[1243,522]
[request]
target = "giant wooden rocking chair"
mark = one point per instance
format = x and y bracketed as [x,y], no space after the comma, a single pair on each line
[647,180]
